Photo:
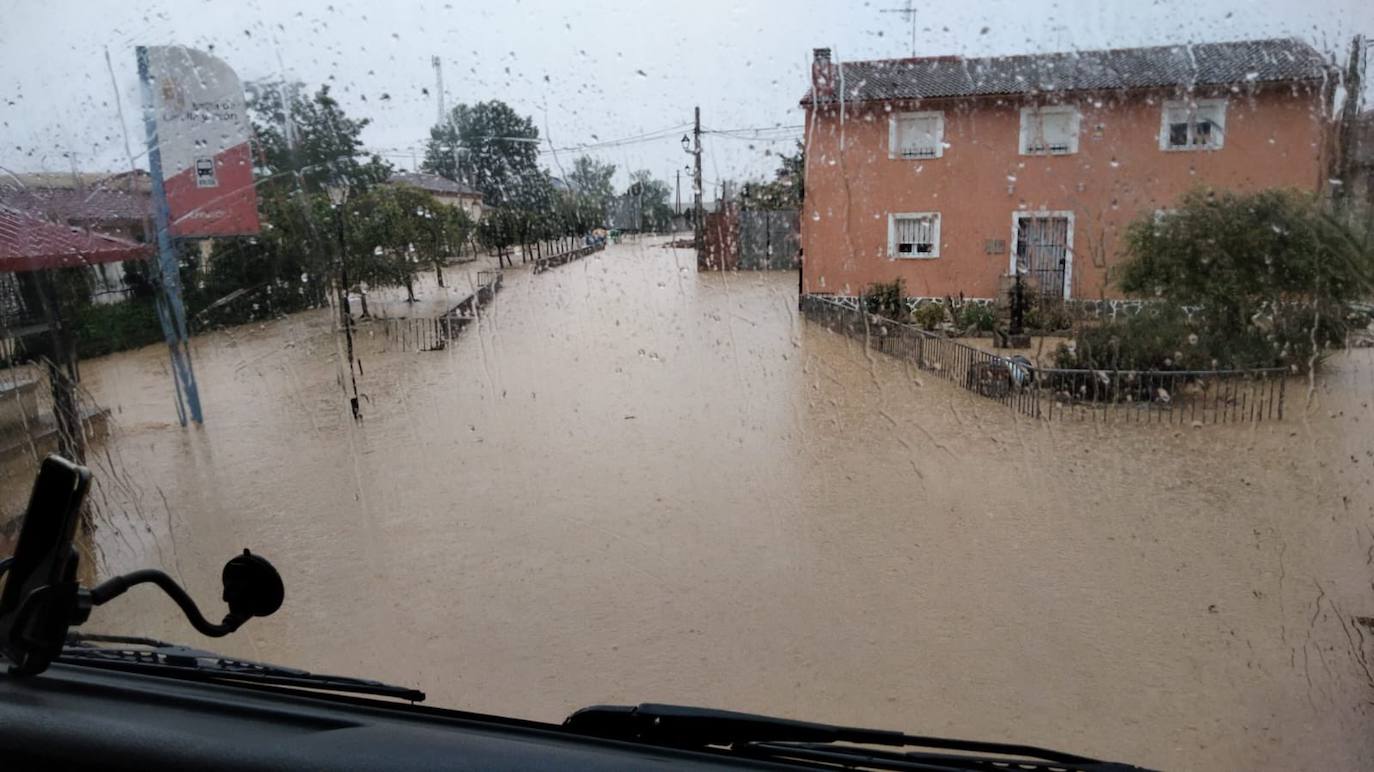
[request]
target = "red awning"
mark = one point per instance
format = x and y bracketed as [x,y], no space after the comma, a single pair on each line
[30,243]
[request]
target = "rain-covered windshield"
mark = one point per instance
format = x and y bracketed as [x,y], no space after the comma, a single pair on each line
[994,370]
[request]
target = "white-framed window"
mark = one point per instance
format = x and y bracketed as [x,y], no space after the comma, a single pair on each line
[1049,130]
[1196,125]
[913,235]
[916,135]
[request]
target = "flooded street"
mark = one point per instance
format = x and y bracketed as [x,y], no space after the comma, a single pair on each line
[631,482]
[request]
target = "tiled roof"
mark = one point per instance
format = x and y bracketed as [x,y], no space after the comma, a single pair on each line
[1200,64]
[29,243]
[433,183]
[92,205]
[109,180]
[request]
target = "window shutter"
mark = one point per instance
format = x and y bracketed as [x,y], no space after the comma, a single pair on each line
[918,136]
[1058,131]
[1049,130]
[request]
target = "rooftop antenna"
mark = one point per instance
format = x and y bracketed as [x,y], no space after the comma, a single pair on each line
[910,13]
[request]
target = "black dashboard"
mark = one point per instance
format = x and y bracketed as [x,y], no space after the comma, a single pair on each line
[73,716]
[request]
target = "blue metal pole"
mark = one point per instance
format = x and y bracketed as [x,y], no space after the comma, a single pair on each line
[171,312]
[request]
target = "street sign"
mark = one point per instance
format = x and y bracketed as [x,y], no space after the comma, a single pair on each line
[202,133]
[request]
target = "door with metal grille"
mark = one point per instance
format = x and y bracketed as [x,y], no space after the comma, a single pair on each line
[1042,252]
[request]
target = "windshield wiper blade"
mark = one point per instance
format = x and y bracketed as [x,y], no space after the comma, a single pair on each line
[827,754]
[767,737]
[158,658]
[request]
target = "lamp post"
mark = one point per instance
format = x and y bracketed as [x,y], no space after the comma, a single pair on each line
[687,148]
[338,196]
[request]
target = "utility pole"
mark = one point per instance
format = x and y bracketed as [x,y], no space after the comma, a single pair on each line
[1346,129]
[698,226]
[677,206]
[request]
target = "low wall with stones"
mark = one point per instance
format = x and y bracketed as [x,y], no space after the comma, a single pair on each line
[1084,308]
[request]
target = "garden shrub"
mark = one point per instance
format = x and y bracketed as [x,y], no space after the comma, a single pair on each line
[1049,315]
[100,329]
[886,299]
[928,316]
[1162,337]
[1269,275]
[977,317]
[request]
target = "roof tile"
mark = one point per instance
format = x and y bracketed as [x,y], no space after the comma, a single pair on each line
[433,183]
[1200,64]
[29,243]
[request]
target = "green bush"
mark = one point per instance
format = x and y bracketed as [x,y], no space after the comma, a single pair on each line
[1162,337]
[1049,315]
[104,329]
[1158,338]
[928,316]
[975,316]
[886,299]
[1270,273]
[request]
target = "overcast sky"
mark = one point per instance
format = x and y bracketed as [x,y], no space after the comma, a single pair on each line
[587,72]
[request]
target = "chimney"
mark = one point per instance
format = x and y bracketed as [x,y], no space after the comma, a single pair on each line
[822,75]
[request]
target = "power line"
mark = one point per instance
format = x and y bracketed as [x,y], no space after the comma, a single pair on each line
[755,129]
[652,136]
[787,138]
[633,139]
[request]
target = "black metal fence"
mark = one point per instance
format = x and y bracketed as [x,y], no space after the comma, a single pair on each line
[548,261]
[418,334]
[434,333]
[1139,396]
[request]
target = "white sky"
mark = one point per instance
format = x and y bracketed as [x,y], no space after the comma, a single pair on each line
[586,71]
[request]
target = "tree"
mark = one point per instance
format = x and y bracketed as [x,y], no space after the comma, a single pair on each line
[444,151]
[315,139]
[1269,274]
[302,143]
[786,189]
[500,229]
[650,201]
[495,149]
[286,268]
[390,234]
[591,180]
[441,229]
[449,228]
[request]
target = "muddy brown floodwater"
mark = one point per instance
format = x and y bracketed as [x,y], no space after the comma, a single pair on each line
[635,483]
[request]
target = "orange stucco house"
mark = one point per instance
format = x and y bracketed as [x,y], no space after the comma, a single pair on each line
[952,173]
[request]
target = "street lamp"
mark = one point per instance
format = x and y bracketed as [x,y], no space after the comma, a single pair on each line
[337,190]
